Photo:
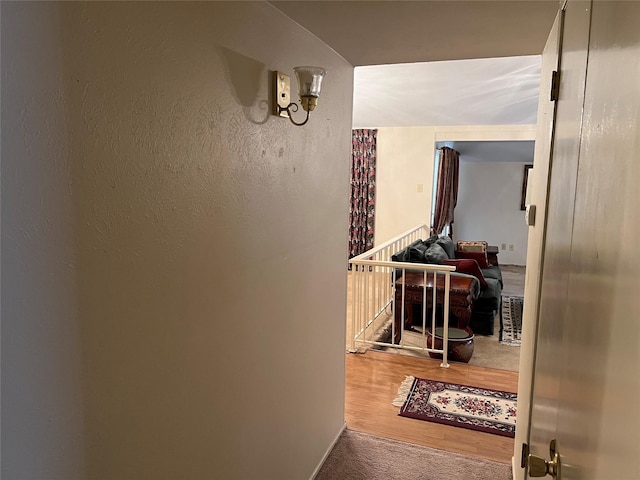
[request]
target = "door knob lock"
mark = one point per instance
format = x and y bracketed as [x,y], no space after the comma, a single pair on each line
[539,467]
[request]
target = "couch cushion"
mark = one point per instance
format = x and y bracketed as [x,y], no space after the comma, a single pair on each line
[480,257]
[490,296]
[447,244]
[468,266]
[493,272]
[403,255]
[431,240]
[435,254]
[417,253]
[472,246]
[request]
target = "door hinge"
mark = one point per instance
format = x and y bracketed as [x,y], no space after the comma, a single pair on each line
[555,86]
[524,455]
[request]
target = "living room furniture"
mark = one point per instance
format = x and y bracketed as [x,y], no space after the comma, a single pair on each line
[373,278]
[492,255]
[463,289]
[442,250]
[488,303]
[460,343]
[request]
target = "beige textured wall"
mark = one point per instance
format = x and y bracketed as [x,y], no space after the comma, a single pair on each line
[405,158]
[209,349]
[42,415]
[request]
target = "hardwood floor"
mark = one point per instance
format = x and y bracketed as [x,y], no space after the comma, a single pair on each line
[372,381]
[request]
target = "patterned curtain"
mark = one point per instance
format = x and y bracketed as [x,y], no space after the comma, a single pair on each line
[363,191]
[447,190]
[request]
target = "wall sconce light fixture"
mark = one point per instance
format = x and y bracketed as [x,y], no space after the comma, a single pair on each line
[309,85]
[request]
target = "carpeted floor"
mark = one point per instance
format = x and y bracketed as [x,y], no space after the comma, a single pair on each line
[513,279]
[358,456]
[487,352]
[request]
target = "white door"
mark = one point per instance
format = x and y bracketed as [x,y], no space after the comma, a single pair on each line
[586,381]
[536,198]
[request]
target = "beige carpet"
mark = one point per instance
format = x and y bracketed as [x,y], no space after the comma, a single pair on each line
[488,351]
[358,456]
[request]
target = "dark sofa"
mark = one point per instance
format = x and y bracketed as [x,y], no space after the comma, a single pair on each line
[442,250]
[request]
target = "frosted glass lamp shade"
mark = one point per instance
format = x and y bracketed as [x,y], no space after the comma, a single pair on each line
[309,80]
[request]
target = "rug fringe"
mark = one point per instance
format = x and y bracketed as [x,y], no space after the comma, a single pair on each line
[403,391]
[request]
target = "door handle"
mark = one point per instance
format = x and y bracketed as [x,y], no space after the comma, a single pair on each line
[539,467]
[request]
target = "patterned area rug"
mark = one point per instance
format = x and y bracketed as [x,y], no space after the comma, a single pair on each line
[511,320]
[482,409]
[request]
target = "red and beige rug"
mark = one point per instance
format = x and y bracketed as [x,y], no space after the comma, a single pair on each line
[483,409]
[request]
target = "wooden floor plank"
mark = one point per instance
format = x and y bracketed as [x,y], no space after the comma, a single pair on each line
[372,381]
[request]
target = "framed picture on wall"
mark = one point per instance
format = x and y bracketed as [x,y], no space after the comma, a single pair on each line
[525,178]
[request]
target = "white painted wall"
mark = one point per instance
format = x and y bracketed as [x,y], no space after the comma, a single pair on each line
[159,226]
[489,208]
[405,158]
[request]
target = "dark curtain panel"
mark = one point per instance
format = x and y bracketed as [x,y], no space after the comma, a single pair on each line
[363,191]
[447,190]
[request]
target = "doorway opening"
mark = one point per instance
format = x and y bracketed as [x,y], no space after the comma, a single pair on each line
[405,163]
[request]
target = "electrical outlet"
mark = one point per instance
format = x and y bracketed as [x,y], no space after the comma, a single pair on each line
[511,248]
[504,246]
[420,188]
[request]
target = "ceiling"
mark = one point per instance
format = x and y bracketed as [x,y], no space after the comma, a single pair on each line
[486,91]
[384,32]
[407,76]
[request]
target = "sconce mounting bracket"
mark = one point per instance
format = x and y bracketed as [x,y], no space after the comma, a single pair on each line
[281,94]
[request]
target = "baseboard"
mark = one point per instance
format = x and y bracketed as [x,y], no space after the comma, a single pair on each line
[326,454]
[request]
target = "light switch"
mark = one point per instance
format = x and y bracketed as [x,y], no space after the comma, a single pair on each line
[420,188]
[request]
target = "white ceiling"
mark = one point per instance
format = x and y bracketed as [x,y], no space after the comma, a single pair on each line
[384,32]
[488,91]
[387,38]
